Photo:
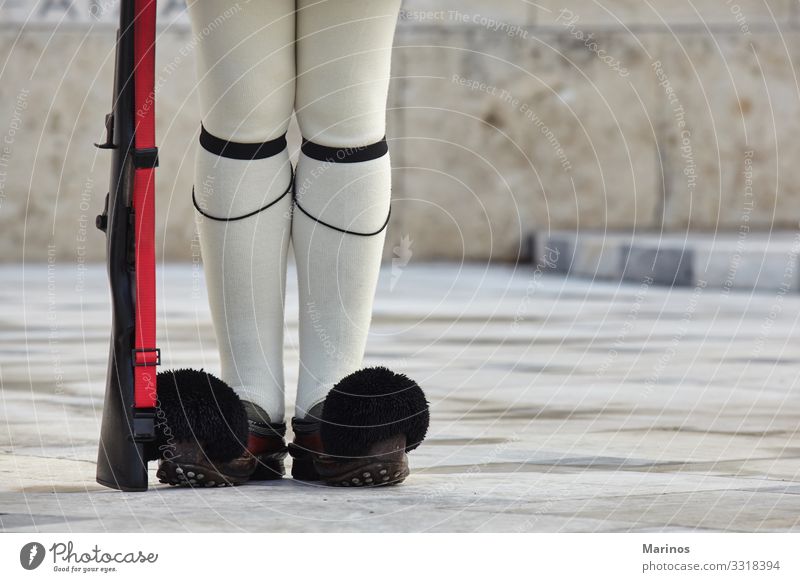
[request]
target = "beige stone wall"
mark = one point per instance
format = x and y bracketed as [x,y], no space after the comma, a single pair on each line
[505,118]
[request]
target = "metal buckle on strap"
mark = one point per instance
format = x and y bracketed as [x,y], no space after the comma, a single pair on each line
[144,425]
[139,362]
[145,157]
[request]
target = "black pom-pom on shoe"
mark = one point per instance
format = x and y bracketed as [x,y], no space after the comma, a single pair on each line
[369,421]
[196,406]
[373,405]
[201,431]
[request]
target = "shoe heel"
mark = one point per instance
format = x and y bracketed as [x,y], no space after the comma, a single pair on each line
[303,469]
[269,467]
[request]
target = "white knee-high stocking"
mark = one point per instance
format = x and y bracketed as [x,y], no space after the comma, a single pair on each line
[343,182]
[245,65]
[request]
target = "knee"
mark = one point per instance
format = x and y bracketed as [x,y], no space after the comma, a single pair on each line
[245,114]
[344,119]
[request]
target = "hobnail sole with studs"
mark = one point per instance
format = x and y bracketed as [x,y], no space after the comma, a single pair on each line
[374,474]
[189,475]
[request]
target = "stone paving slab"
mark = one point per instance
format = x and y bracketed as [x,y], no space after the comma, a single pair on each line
[557,405]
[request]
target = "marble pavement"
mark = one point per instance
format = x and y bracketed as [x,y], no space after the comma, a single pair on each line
[557,405]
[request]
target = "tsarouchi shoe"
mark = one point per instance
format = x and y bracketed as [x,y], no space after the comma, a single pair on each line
[367,424]
[201,428]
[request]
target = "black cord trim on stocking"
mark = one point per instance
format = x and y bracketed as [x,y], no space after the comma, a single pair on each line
[342,230]
[289,188]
